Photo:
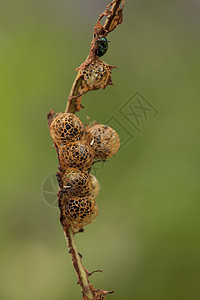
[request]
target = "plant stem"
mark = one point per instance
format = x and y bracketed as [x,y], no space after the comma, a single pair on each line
[71,103]
[76,259]
[74,100]
[81,272]
[115,7]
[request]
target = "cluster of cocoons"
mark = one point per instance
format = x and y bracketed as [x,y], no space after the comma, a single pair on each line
[78,147]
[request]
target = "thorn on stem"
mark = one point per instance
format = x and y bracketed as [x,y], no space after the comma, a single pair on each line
[96,271]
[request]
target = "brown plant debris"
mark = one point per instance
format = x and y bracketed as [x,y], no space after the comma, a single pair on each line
[114,17]
[93,73]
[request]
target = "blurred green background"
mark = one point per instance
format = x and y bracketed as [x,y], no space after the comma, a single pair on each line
[146,238]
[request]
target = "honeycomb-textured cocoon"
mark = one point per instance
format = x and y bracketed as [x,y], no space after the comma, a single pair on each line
[65,128]
[105,141]
[77,183]
[79,211]
[95,186]
[76,155]
[97,74]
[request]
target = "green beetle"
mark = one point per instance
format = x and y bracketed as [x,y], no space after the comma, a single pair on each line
[102,46]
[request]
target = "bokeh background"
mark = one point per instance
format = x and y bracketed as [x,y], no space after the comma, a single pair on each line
[146,238]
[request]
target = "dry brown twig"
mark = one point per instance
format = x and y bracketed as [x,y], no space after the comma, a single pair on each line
[113,15]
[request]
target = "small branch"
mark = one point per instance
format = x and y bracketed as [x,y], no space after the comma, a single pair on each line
[114,17]
[74,98]
[80,270]
[113,14]
[110,18]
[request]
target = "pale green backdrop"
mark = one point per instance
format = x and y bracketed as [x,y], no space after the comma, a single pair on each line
[146,238]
